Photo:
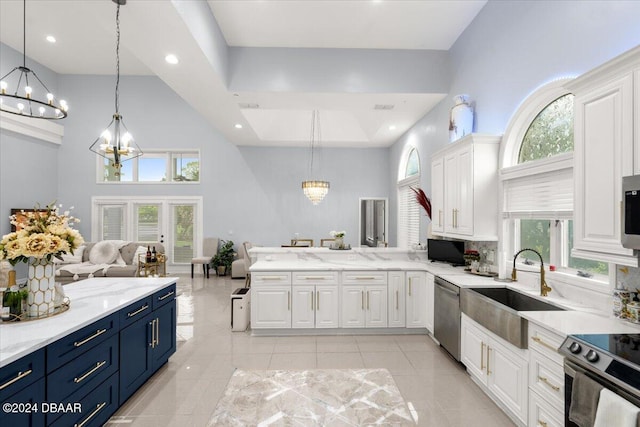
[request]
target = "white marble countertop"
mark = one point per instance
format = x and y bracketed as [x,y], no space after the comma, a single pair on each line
[91,300]
[580,322]
[333,265]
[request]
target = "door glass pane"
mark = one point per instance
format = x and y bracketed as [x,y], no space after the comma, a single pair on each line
[184,232]
[596,267]
[152,169]
[148,223]
[112,223]
[535,234]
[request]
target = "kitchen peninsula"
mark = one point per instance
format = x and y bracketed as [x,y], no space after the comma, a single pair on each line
[94,356]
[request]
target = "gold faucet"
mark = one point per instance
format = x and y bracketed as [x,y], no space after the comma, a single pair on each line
[544,288]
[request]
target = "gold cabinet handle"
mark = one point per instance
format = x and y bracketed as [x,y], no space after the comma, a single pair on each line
[543,424]
[547,382]
[367,300]
[488,359]
[453,218]
[270,278]
[365,278]
[481,355]
[138,311]
[166,296]
[440,217]
[397,300]
[410,286]
[314,278]
[91,415]
[86,340]
[158,331]
[318,300]
[289,300]
[541,342]
[18,377]
[312,304]
[91,371]
[362,293]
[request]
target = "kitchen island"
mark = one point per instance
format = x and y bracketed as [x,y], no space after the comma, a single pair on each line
[79,366]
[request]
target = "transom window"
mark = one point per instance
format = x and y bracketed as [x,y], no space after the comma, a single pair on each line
[550,133]
[154,166]
[413,164]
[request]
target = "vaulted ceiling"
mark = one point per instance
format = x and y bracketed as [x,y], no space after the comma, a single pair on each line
[372,68]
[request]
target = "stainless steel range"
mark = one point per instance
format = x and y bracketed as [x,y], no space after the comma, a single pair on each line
[611,360]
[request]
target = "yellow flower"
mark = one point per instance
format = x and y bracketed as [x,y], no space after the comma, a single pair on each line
[14,248]
[37,245]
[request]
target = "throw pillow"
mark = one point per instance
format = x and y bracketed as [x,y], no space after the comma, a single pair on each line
[103,253]
[141,250]
[68,258]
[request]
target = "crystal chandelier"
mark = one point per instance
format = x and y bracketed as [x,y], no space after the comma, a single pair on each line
[315,190]
[115,143]
[24,100]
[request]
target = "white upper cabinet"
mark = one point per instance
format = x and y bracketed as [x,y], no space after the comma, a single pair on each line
[603,154]
[465,189]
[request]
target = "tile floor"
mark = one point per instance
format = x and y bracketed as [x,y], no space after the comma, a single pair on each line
[185,391]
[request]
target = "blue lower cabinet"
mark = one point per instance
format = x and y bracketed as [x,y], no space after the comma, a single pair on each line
[79,377]
[17,375]
[135,355]
[94,409]
[24,408]
[165,335]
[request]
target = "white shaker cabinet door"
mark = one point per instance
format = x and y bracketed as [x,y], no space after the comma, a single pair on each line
[303,306]
[376,303]
[271,306]
[353,307]
[327,306]
[416,291]
[396,299]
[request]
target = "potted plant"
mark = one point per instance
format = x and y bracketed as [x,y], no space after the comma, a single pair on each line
[223,259]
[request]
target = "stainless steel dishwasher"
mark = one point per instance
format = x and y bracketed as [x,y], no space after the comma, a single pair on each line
[447,316]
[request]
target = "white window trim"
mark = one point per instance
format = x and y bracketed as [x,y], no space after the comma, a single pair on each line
[130,201]
[509,169]
[155,153]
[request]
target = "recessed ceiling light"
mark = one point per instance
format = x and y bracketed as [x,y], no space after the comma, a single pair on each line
[171,59]
[51,39]
[238,126]
[392,127]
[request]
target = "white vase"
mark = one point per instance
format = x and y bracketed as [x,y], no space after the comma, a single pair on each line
[41,286]
[460,118]
[338,242]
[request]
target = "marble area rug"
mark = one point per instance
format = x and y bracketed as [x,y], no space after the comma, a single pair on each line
[318,397]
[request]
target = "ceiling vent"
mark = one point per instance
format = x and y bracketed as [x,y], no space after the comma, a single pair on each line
[248,105]
[383,107]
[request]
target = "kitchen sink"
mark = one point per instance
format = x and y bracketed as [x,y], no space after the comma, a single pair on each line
[497,310]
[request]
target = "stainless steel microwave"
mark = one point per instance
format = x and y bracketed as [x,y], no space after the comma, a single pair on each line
[631,212]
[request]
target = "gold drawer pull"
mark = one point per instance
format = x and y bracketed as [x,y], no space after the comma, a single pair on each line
[91,415]
[165,296]
[95,368]
[365,278]
[20,376]
[481,355]
[314,278]
[541,342]
[138,311]
[488,358]
[317,300]
[409,286]
[542,423]
[270,277]
[84,341]
[547,382]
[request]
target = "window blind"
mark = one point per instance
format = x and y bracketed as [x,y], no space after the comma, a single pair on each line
[112,222]
[546,194]
[408,215]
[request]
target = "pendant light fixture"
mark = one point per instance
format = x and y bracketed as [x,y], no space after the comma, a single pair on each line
[315,190]
[115,143]
[27,100]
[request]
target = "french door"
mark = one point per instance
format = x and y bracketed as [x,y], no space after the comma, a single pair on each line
[176,222]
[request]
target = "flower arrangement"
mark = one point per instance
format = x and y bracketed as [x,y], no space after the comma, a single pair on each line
[42,233]
[337,234]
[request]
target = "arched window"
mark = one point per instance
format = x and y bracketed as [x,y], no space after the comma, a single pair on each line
[537,180]
[408,208]
[550,133]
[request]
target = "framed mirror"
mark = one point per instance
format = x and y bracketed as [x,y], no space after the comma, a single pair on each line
[374,221]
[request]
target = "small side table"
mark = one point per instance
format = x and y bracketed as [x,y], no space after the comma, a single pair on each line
[152,268]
